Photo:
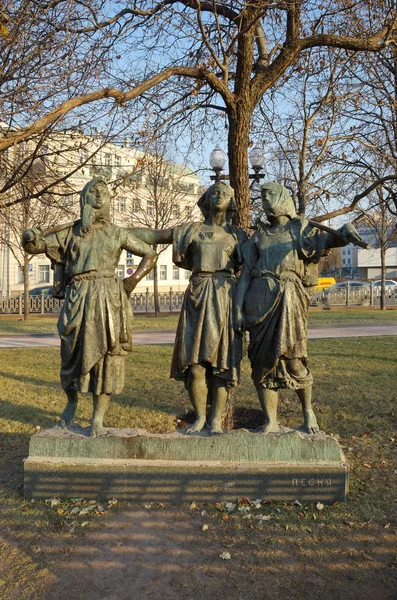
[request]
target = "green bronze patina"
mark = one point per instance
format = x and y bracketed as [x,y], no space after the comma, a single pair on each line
[208,350]
[272,300]
[95,322]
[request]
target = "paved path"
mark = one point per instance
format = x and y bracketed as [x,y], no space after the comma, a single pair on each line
[168,337]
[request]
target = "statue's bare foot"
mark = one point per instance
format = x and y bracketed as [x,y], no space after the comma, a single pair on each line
[67,415]
[97,430]
[310,423]
[197,426]
[270,427]
[216,428]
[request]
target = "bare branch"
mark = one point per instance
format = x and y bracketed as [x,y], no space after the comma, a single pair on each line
[356,199]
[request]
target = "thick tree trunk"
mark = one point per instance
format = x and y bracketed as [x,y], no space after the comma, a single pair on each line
[26,307]
[238,142]
[228,413]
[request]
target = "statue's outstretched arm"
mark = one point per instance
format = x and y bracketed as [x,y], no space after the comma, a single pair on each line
[154,236]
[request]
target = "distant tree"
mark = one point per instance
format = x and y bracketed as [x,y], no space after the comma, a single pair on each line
[44,212]
[332,263]
[164,199]
[379,220]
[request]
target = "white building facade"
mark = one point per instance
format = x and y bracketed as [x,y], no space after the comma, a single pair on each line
[132,181]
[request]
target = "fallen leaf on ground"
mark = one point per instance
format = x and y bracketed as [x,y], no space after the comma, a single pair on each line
[225,556]
[230,506]
[192,506]
[257,503]
[319,506]
[244,509]
[204,527]
[86,509]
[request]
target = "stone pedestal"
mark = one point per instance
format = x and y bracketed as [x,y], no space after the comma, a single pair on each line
[134,465]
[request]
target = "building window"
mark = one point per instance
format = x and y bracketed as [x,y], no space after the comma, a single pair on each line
[176,212]
[187,274]
[150,276]
[188,212]
[120,271]
[175,272]
[117,160]
[20,277]
[43,274]
[163,272]
[150,208]
[120,204]
[135,205]
[107,159]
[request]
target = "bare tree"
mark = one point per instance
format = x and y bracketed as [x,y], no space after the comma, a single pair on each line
[43,212]
[332,262]
[175,58]
[380,222]
[164,197]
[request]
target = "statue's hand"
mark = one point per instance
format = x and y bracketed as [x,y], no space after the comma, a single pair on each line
[32,235]
[130,283]
[238,320]
[350,234]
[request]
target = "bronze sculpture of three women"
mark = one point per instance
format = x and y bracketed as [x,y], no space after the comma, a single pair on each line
[269,299]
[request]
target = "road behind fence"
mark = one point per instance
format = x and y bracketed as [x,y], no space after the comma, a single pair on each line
[141,302]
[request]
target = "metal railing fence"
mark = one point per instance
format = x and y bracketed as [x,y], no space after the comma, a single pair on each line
[170,301]
[350,295]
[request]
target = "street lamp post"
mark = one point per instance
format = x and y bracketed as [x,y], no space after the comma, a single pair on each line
[256,157]
[217,162]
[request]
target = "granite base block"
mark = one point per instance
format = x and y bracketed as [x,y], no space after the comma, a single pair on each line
[137,466]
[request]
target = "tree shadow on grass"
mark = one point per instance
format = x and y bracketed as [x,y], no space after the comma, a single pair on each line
[30,380]
[28,415]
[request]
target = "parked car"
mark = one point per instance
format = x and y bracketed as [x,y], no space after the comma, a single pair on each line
[46,290]
[359,292]
[390,286]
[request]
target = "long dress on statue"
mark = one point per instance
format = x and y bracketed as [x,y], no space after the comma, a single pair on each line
[277,301]
[95,322]
[205,333]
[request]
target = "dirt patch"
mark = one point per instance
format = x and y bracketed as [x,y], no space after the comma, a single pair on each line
[160,553]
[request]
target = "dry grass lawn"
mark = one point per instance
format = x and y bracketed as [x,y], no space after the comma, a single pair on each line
[344,551]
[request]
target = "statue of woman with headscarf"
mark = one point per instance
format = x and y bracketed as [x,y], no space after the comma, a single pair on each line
[207,351]
[95,323]
[272,301]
